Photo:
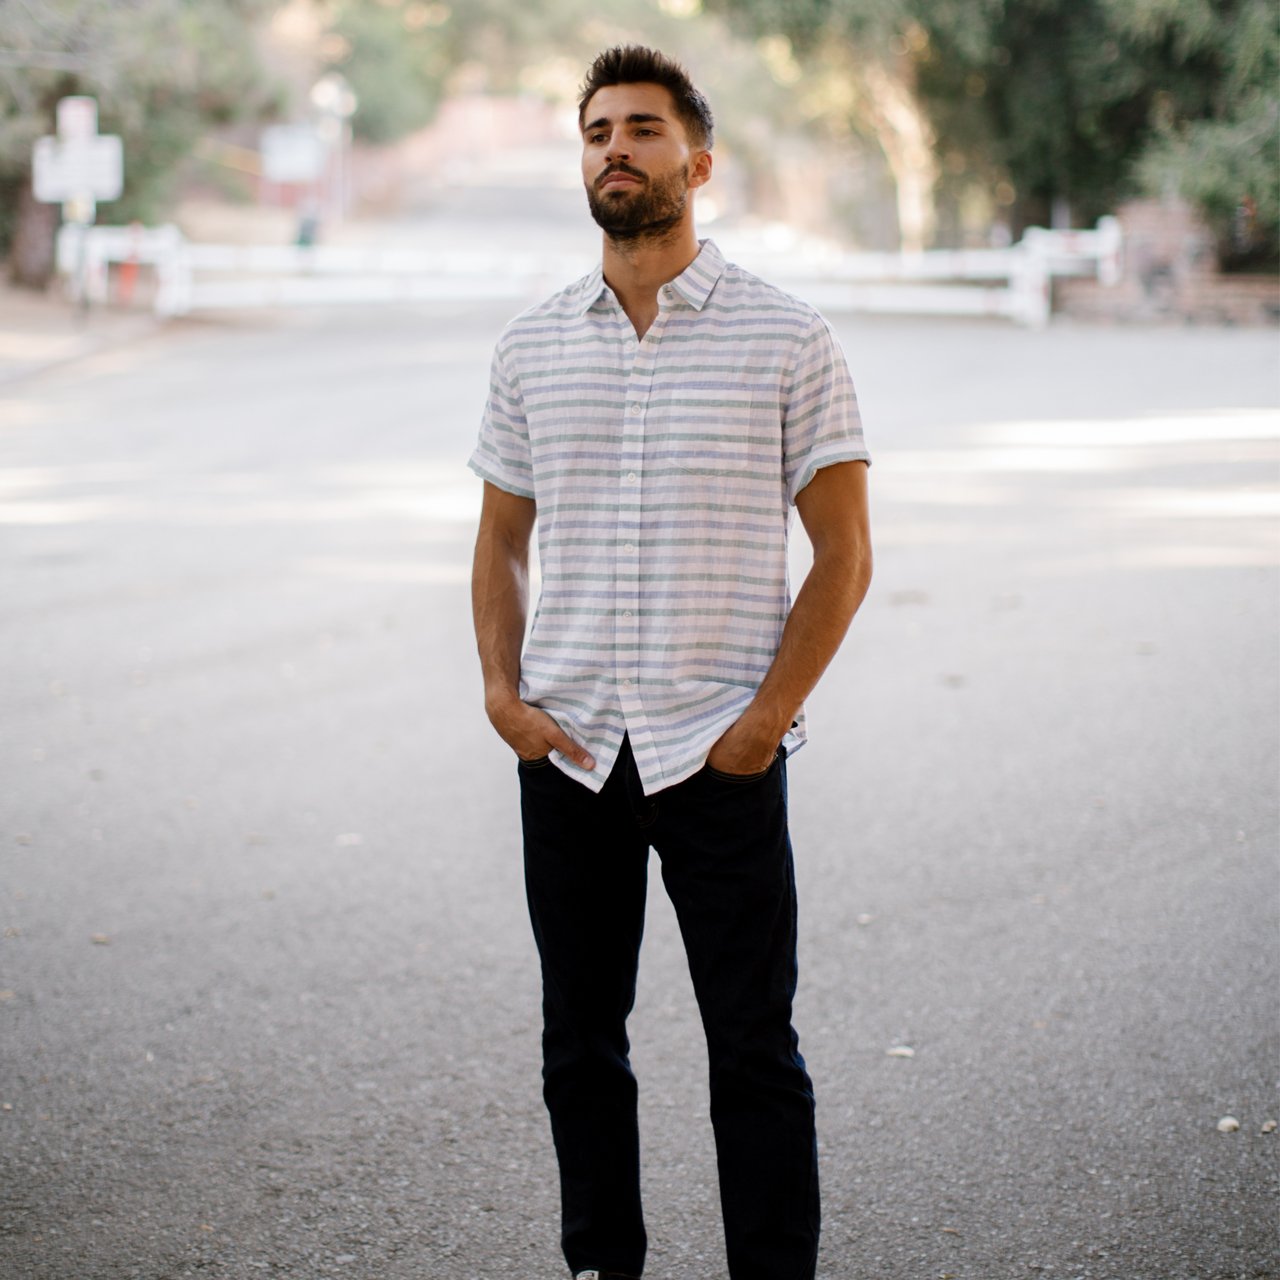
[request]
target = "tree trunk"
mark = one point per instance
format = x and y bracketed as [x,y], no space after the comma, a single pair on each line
[907,141]
[31,255]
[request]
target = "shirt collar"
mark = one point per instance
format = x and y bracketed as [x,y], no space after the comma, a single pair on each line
[694,284]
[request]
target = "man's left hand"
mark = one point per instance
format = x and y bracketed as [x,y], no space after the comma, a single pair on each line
[741,749]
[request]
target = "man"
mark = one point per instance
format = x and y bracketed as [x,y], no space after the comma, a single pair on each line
[659,418]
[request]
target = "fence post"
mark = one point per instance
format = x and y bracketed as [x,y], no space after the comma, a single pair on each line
[97,267]
[1030,281]
[173,275]
[1110,239]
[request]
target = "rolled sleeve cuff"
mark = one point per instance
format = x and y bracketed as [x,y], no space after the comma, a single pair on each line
[481,467]
[825,458]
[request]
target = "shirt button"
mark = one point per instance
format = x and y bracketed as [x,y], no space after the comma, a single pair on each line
[628,546]
[626,613]
[631,477]
[634,406]
[626,684]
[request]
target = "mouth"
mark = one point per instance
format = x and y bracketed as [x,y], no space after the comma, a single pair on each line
[617,179]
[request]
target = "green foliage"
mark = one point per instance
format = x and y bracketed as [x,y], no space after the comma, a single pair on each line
[400,56]
[165,71]
[1033,100]
[1084,100]
[803,22]
[1228,169]
[1059,104]
[396,70]
[1225,157]
[162,71]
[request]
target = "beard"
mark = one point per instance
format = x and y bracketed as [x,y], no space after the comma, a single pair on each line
[643,212]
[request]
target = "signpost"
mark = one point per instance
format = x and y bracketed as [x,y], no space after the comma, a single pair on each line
[291,153]
[77,168]
[335,102]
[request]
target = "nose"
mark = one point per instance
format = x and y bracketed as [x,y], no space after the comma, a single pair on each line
[617,148]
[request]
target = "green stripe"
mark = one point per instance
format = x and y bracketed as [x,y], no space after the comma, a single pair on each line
[651,613]
[649,543]
[584,578]
[606,649]
[650,508]
[592,335]
[649,682]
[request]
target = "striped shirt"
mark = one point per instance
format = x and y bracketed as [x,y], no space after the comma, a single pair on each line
[664,471]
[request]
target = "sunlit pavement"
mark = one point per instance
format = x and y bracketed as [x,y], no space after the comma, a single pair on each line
[40,331]
[268,1002]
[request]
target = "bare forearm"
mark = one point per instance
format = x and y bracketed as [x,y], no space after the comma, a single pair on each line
[833,509]
[819,620]
[499,606]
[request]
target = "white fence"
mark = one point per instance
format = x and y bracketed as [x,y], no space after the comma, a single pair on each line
[199,277]
[1015,283]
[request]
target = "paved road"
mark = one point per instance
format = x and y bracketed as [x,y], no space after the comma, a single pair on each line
[269,1001]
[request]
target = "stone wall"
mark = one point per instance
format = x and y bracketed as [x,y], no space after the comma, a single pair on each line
[1169,273]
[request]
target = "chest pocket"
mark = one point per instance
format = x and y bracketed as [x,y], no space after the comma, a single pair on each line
[714,434]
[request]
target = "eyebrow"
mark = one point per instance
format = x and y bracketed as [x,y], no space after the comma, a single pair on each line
[636,117]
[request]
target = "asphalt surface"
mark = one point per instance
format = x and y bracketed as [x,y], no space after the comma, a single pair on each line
[268,1003]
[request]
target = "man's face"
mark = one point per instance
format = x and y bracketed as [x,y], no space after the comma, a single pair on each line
[637,164]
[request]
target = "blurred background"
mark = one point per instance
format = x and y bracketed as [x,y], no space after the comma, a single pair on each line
[268,995]
[871,124]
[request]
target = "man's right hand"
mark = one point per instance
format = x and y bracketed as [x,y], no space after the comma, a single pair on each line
[532,734]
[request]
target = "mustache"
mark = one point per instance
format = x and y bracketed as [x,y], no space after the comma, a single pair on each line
[620,168]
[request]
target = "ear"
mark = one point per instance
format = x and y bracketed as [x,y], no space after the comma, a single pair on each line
[699,169]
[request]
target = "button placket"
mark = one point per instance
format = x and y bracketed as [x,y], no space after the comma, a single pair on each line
[629,534]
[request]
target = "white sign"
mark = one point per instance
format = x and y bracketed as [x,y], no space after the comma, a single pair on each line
[292,153]
[79,166]
[92,169]
[77,118]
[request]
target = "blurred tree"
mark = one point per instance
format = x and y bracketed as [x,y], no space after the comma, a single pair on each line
[162,72]
[1219,148]
[1049,115]
[867,60]
[401,56]
[396,57]
[1056,109]
[1079,103]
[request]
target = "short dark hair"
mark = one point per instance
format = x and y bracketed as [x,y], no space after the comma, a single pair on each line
[634,64]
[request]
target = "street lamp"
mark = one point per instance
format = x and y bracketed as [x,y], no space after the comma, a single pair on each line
[335,101]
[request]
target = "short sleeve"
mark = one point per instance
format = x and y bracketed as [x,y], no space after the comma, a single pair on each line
[502,453]
[821,424]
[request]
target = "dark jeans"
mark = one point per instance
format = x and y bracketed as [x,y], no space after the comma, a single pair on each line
[726,864]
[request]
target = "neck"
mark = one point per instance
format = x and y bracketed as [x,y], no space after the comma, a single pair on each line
[636,269]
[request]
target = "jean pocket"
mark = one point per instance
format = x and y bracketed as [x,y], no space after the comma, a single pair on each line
[741,778]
